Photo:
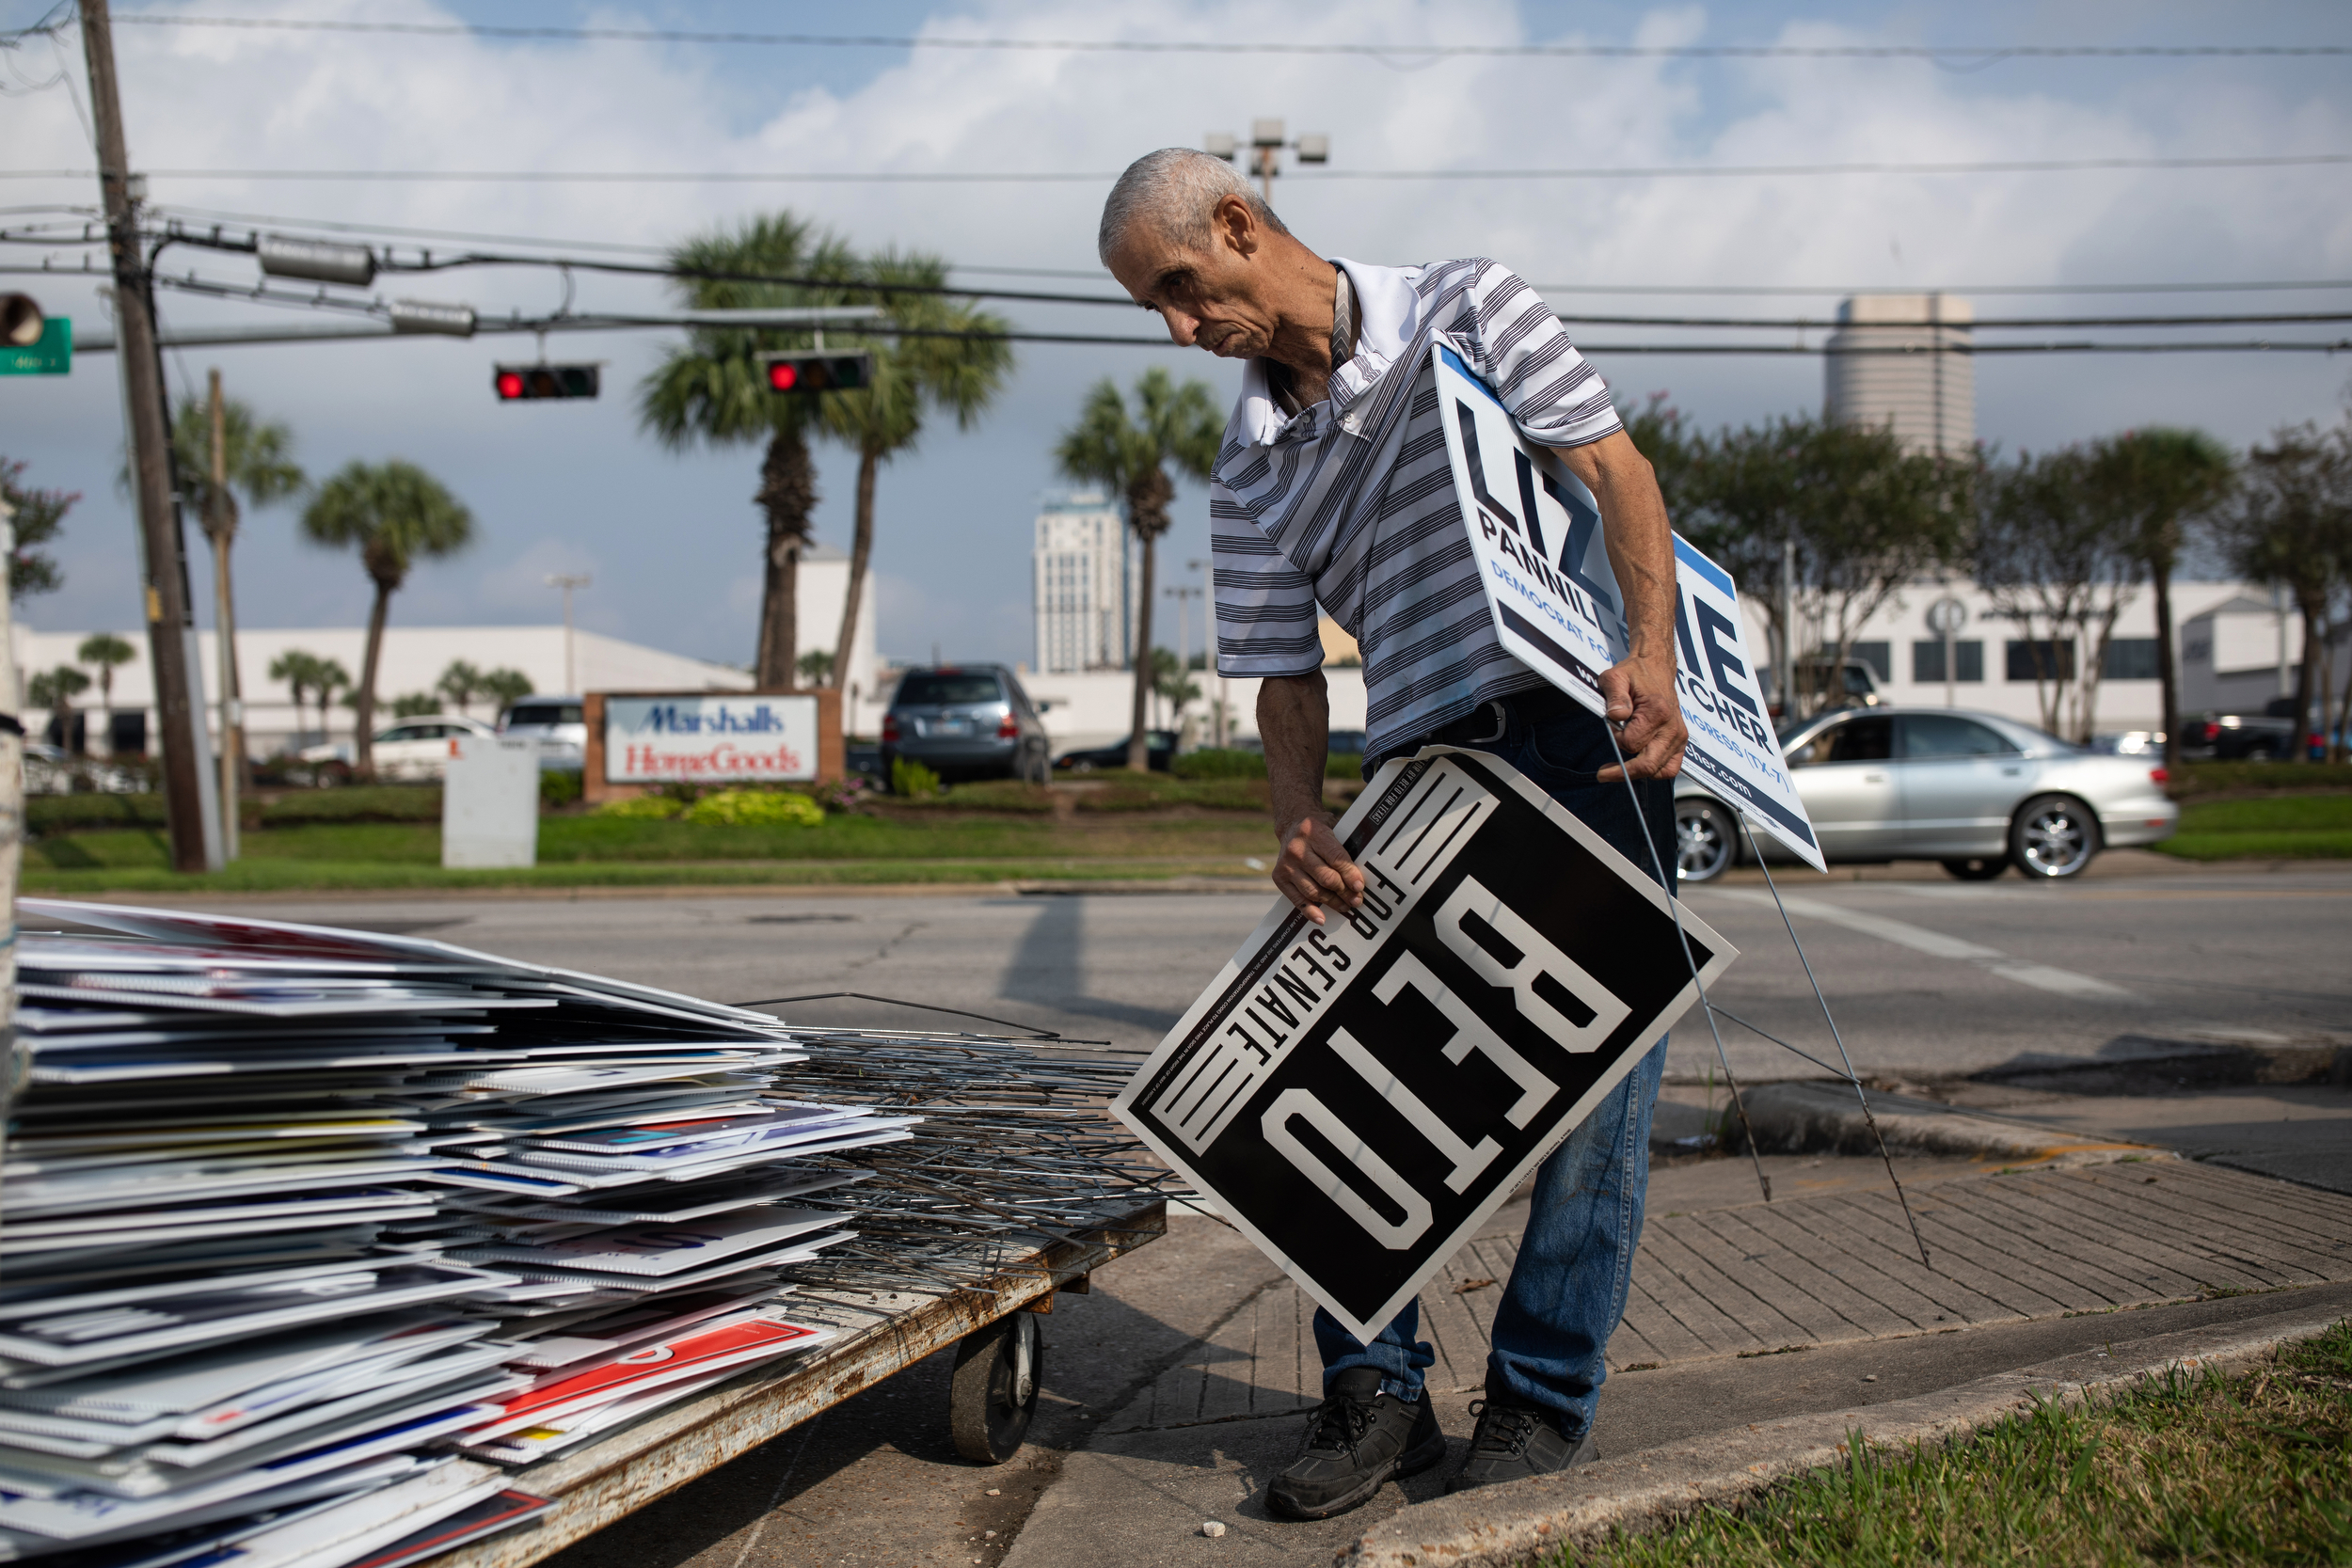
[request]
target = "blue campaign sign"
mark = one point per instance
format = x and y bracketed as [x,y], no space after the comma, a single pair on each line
[1536,532]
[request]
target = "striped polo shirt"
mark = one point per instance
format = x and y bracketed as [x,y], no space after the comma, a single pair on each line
[1350,502]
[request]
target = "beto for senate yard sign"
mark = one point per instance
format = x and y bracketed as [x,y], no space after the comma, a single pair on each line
[1358,1097]
[1536,531]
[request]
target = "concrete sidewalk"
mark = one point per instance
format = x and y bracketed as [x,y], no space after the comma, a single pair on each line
[1741,1312]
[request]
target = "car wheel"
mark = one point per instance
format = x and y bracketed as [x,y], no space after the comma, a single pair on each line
[1980,868]
[1706,841]
[1082,766]
[2053,837]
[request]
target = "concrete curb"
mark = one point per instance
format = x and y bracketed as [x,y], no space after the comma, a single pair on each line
[1826,1118]
[1501,1525]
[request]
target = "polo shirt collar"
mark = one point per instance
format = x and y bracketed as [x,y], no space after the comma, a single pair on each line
[1388,309]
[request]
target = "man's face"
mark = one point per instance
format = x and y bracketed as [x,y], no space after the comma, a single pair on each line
[1214,297]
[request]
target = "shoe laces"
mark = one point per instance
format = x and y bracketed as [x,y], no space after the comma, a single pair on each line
[1340,1423]
[1503,1429]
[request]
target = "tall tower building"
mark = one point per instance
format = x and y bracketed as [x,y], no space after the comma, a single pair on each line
[1084,584]
[1903,360]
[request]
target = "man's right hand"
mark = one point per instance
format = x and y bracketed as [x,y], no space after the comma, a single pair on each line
[1314,870]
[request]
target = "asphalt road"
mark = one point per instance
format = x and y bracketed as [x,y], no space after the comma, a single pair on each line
[1927,977]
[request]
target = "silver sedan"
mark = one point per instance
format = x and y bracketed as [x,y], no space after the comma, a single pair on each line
[1976,791]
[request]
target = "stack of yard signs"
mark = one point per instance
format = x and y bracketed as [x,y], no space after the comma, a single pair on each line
[292,1217]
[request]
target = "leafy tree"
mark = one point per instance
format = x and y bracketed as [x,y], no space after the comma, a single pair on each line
[256,459]
[815,667]
[713,391]
[56,690]
[2161,483]
[415,705]
[1864,517]
[1170,683]
[505,687]
[2292,524]
[393,513]
[1172,425]
[104,650]
[2059,563]
[39,515]
[912,376]
[1659,433]
[461,683]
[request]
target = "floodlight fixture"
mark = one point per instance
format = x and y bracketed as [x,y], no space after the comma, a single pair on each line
[1313,149]
[1220,144]
[1265,132]
[320,261]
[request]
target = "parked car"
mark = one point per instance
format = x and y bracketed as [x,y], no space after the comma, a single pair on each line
[1859,689]
[2242,737]
[414,748]
[2129,743]
[1160,751]
[52,770]
[559,724]
[1976,791]
[966,721]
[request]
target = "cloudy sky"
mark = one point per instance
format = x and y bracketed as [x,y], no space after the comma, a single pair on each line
[671,539]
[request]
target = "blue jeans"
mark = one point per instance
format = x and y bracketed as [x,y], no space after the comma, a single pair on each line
[1567,1291]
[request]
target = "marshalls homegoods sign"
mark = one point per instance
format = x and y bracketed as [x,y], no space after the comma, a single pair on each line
[713,739]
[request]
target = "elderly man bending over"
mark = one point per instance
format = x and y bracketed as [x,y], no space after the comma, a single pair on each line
[1333,486]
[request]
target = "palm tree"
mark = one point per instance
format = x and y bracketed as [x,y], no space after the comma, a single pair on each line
[505,687]
[1172,425]
[713,390]
[106,650]
[300,671]
[461,683]
[912,376]
[254,456]
[2160,481]
[393,513]
[56,690]
[329,678]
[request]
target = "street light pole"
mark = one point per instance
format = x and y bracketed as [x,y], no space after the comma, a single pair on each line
[1223,720]
[567,582]
[188,796]
[1266,143]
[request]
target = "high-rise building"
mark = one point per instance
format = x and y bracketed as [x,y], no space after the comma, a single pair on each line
[1903,360]
[1084,584]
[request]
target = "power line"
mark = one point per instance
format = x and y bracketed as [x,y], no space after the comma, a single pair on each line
[1986,53]
[1061,177]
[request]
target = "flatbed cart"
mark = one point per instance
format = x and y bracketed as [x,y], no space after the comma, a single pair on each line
[994,1395]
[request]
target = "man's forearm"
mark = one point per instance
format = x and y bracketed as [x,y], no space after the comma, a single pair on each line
[1641,546]
[1295,722]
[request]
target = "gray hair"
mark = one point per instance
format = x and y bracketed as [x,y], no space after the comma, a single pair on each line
[1175,191]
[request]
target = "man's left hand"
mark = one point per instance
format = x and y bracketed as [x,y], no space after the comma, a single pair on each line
[1647,711]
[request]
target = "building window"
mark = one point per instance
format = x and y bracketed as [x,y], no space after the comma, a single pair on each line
[1927,661]
[2042,658]
[2130,658]
[1880,657]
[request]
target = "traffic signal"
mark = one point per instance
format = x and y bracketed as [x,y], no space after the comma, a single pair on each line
[817,373]
[524,383]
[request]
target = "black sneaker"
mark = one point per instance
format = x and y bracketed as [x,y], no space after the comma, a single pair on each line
[1515,1440]
[1357,1439]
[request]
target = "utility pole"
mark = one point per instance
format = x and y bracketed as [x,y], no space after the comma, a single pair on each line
[188,796]
[1789,709]
[1220,721]
[225,626]
[567,582]
[11,822]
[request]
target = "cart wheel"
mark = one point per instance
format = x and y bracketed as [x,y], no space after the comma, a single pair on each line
[994,1392]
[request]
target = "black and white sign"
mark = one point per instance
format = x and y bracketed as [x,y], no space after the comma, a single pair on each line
[1536,531]
[1358,1097]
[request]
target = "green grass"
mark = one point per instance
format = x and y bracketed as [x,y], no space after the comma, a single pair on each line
[2184,1468]
[2273,827]
[614,851]
[2212,778]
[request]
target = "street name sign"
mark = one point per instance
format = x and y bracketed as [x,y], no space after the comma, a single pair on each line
[1536,531]
[52,354]
[1358,1096]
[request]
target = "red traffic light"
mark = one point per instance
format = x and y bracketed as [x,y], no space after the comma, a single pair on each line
[529,382]
[817,373]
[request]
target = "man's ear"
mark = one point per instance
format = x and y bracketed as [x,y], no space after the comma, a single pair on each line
[1237,225]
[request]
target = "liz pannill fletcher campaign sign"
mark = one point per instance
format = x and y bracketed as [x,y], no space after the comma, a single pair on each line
[710,738]
[1536,531]
[1358,1097]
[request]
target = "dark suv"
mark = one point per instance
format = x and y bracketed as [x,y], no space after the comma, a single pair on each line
[966,721]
